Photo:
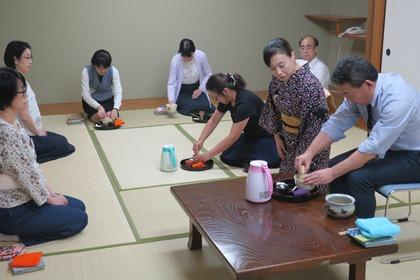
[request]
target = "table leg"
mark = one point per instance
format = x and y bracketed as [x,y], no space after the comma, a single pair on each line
[194,241]
[357,270]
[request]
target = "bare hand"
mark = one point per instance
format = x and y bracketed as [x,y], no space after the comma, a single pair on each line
[114,114]
[320,177]
[42,132]
[101,112]
[57,199]
[196,93]
[197,147]
[281,150]
[305,160]
[201,157]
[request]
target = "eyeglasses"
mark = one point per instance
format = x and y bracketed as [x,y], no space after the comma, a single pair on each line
[23,92]
[28,57]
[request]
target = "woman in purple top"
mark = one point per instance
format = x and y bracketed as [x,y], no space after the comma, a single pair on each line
[295,108]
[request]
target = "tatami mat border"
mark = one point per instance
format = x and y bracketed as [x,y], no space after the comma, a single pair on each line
[117,189]
[216,161]
[114,182]
[178,184]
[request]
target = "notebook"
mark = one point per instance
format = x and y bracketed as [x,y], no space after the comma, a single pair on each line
[370,242]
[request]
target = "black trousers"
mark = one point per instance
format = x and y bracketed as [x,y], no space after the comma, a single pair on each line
[51,147]
[108,105]
[397,167]
[246,149]
[187,105]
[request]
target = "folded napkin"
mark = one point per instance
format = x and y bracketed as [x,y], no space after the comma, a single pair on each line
[377,227]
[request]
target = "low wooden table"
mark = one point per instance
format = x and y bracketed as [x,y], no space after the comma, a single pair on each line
[257,240]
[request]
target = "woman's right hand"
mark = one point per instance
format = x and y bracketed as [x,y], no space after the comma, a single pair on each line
[101,112]
[281,150]
[57,199]
[197,147]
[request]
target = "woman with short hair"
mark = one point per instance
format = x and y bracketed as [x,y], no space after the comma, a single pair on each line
[101,88]
[28,207]
[48,145]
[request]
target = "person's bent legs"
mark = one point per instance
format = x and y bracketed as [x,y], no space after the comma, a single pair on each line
[395,168]
[245,150]
[38,224]
[51,147]
[92,113]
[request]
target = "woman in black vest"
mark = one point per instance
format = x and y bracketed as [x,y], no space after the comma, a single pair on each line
[101,88]
[246,140]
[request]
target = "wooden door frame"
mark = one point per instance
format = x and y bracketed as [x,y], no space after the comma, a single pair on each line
[375,32]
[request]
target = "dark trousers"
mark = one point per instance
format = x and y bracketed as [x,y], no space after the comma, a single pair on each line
[397,167]
[187,105]
[107,104]
[51,147]
[38,224]
[246,149]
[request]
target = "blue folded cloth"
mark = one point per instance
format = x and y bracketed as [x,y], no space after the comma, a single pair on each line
[377,227]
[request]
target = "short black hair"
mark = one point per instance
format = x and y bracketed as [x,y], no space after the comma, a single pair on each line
[9,86]
[14,49]
[186,47]
[354,70]
[316,43]
[276,46]
[217,82]
[101,58]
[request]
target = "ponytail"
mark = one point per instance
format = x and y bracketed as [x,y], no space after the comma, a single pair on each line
[220,81]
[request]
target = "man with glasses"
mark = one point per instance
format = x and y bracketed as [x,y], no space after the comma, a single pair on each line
[391,152]
[308,46]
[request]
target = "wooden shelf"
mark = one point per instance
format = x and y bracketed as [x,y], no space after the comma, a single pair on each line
[355,37]
[339,21]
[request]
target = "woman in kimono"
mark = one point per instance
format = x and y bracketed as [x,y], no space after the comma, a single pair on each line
[295,108]
[246,140]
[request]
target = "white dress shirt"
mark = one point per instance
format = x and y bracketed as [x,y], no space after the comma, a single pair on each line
[320,70]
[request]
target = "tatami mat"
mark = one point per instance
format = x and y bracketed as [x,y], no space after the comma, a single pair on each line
[135,154]
[221,131]
[81,175]
[155,212]
[354,136]
[145,117]
[171,259]
[138,118]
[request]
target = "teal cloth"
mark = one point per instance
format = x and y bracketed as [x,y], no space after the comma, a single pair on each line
[377,227]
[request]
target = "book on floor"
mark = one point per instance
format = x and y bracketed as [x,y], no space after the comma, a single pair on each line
[355,234]
[27,269]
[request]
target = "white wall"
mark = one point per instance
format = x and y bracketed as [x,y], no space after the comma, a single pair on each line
[143,35]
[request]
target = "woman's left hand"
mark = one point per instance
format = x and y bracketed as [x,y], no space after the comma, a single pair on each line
[57,199]
[196,93]
[114,114]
